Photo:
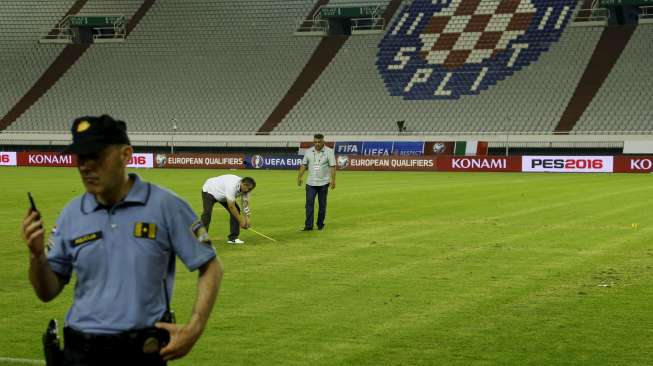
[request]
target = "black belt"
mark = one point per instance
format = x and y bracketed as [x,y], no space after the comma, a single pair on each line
[148,340]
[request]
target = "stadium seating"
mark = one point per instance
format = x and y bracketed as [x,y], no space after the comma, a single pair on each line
[211,66]
[23,59]
[350,96]
[223,66]
[624,100]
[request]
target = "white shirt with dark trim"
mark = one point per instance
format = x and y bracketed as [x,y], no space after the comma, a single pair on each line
[227,188]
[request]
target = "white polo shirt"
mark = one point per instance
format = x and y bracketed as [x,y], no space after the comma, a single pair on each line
[319,164]
[223,188]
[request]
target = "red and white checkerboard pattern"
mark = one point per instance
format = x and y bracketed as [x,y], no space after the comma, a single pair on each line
[471,31]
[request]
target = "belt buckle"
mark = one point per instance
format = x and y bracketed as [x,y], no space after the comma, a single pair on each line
[151,345]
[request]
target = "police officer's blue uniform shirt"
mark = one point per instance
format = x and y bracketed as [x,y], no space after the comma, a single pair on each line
[122,254]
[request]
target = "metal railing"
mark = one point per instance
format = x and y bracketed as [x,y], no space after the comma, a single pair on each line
[540,139]
[114,34]
[646,12]
[313,26]
[319,25]
[58,34]
[375,13]
[64,134]
[367,24]
[62,32]
[592,15]
[340,132]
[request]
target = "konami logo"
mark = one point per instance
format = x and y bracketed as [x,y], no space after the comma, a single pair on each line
[641,164]
[633,164]
[478,163]
[50,159]
[448,163]
[45,158]
[568,164]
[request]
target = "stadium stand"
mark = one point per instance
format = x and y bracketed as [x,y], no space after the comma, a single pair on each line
[323,55]
[22,23]
[623,102]
[351,97]
[208,65]
[223,68]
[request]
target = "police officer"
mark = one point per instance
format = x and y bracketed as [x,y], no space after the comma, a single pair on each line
[320,161]
[121,238]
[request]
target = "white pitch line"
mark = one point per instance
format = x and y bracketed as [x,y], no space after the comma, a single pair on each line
[26,361]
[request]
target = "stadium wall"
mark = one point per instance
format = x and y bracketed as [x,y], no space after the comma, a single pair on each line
[280,143]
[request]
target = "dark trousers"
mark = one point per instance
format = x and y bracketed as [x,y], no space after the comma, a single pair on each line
[105,351]
[207,209]
[321,193]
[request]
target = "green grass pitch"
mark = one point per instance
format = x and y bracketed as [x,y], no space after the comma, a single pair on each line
[412,269]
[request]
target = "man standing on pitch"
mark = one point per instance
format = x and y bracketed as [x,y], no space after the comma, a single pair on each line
[224,190]
[320,162]
[121,239]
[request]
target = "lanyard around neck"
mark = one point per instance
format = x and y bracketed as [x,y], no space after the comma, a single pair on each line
[315,160]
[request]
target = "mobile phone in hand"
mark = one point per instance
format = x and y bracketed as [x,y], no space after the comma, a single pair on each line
[33,205]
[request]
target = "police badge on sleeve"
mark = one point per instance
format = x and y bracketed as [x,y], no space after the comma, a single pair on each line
[200,233]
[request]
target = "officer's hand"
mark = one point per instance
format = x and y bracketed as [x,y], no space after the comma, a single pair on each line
[299,182]
[182,340]
[333,185]
[32,233]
